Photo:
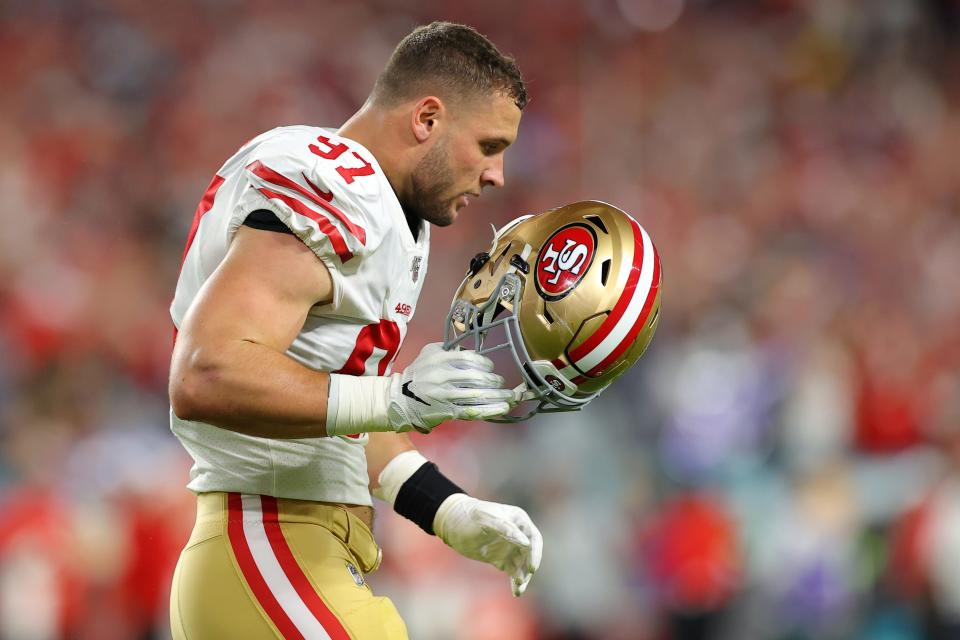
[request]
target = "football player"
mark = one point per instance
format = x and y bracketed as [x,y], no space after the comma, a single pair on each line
[302,268]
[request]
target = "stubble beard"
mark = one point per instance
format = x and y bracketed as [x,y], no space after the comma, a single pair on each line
[432,179]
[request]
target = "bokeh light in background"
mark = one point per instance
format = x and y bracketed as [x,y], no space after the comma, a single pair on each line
[783,463]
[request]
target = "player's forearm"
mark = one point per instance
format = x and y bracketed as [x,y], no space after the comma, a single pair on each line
[381,449]
[250,388]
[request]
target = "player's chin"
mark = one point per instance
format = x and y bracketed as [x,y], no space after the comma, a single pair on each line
[443,213]
[448,216]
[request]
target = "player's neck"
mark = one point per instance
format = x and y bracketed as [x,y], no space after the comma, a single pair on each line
[373,128]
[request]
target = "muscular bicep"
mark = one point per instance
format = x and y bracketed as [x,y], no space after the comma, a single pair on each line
[229,364]
[260,293]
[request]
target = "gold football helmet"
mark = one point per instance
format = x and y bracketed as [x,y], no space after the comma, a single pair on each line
[575,293]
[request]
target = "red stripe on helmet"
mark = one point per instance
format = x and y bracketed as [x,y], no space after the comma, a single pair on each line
[638,325]
[620,308]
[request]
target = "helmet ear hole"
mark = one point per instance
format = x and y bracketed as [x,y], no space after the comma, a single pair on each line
[503,254]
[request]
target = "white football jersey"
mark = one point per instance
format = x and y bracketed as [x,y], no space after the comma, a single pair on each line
[333,195]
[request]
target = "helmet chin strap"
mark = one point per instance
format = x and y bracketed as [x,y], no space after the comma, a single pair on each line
[523,393]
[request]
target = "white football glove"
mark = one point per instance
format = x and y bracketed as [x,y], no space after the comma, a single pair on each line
[445,385]
[499,534]
[437,386]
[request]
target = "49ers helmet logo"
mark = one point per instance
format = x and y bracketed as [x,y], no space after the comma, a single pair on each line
[564,259]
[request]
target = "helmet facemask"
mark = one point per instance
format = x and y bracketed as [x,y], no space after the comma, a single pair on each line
[493,327]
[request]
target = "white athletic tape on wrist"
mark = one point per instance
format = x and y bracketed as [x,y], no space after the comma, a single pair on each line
[358,404]
[397,471]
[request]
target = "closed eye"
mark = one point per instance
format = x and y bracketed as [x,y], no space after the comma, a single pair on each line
[493,147]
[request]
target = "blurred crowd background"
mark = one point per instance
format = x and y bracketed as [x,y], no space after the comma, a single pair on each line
[783,464]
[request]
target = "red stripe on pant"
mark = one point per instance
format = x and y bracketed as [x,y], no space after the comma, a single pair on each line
[295,574]
[251,573]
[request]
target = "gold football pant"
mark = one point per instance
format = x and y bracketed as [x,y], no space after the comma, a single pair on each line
[258,567]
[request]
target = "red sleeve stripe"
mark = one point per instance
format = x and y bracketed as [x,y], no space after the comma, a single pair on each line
[206,203]
[267,174]
[248,567]
[336,240]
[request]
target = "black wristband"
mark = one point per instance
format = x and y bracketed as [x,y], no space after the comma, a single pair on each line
[422,494]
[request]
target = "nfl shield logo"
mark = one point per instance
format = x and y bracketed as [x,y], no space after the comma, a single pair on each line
[355,574]
[415,268]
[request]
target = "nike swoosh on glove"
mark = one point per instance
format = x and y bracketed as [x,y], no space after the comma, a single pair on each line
[499,534]
[444,385]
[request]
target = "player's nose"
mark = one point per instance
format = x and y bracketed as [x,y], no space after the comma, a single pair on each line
[492,176]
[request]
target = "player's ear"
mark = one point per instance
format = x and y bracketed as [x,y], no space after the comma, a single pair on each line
[427,115]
